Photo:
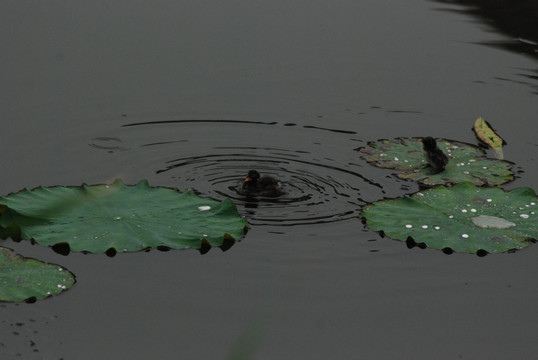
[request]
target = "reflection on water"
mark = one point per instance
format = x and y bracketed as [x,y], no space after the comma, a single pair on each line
[321,183]
[518,19]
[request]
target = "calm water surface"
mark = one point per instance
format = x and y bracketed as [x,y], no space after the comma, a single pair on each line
[192,96]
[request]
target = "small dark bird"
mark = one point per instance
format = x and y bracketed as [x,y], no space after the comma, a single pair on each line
[435,157]
[264,186]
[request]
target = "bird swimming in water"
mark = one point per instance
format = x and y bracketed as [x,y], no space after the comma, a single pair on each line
[255,184]
[435,157]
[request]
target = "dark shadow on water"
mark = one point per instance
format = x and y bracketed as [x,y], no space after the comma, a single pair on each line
[518,19]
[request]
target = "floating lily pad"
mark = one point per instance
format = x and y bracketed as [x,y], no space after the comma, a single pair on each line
[467,163]
[463,218]
[11,229]
[117,217]
[26,279]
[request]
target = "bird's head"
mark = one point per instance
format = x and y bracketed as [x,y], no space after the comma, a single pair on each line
[253,175]
[428,143]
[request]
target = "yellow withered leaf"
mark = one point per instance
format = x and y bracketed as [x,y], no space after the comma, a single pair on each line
[487,135]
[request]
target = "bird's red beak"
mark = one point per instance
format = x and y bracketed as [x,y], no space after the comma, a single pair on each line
[248,179]
[420,139]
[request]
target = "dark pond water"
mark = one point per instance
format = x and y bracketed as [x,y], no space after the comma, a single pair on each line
[193,95]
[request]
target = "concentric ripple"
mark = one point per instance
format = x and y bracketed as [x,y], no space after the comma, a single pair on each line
[319,187]
[110,144]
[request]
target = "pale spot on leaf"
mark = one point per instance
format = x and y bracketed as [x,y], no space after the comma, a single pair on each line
[492,222]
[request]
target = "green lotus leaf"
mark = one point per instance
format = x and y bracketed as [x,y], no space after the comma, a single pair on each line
[467,163]
[118,217]
[25,279]
[463,218]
